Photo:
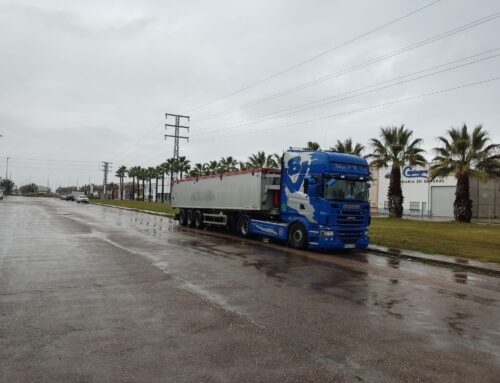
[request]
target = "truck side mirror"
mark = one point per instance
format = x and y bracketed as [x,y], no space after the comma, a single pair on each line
[331,181]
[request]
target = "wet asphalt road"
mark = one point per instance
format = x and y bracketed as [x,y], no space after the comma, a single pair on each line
[96,294]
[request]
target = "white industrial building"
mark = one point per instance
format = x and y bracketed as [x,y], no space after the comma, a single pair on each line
[435,198]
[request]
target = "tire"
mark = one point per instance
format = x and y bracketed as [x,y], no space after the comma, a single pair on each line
[297,236]
[182,218]
[190,218]
[243,227]
[198,220]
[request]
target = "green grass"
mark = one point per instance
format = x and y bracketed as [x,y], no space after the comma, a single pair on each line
[142,205]
[481,242]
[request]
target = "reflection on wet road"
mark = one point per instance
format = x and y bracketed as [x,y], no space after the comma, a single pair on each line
[296,315]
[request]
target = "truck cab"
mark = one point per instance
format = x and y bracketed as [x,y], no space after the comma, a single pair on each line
[324,198]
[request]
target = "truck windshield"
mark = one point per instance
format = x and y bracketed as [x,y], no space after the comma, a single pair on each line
[343,190]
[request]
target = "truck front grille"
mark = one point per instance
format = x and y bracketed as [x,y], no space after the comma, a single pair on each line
[349,236]
[350,217]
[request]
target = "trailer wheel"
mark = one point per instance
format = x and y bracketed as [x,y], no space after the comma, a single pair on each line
[297,236]
[182,217]
[244,226]
[198,219]
[190,218]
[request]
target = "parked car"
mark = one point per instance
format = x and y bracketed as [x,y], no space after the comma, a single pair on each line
[1,194]
[82,199]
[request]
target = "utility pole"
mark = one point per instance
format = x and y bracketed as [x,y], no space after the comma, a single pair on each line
[176,136]
[106,167]
[7,169]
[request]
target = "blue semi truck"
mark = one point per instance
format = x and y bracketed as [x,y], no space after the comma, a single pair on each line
[317,200]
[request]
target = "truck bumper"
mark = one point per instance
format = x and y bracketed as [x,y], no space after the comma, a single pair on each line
[342,239]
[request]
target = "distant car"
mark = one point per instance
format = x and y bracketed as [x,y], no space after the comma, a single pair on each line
[82,199]
[1,194]
[67,197]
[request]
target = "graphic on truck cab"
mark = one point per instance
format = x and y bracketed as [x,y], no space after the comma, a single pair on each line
[295,200]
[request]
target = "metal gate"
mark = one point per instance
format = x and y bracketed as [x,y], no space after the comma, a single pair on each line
[442,198]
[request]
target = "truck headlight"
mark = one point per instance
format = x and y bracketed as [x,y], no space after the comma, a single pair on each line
[326,233]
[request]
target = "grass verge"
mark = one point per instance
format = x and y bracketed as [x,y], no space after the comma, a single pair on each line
[481,242]
[142,205]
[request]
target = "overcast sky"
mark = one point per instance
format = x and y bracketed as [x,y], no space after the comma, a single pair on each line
[90,81]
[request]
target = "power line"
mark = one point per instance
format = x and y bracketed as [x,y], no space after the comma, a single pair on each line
[16,166]
[51,160]
[326,101]
[288,69]
[364,64]
[132,146]
[376,106]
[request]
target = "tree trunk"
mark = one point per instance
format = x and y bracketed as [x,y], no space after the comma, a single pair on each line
[395,194]
[162,188]
[143,189]
[122,184]
[462,207]
[132,197]
[156,190]
[150,197]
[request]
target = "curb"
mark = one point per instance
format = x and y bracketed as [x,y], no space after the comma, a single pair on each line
[158,213]
[440,260]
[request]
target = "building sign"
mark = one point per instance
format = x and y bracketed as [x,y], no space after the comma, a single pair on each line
[412,176]
[409,172]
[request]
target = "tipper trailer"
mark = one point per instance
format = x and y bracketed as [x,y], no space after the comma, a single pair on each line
[318,199]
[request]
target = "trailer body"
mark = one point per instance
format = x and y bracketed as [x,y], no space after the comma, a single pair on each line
[318,199]
[247,190]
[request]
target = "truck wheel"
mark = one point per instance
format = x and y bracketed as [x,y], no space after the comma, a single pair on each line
[182,218]
[244,226]
[198,219]
[190,218]
[297,236]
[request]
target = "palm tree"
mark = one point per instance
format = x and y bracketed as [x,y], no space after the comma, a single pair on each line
[211,167]
[111,187]
[158,173]
[260,160]
[228,164]
[150,174]
[278,159]
[141,176]
[121,173]
[183,165]
[346,147]
[397,149]
[133,172]
[197,170]
[173,166]
[165,169]
[464,155]
[311,145]
[243,165]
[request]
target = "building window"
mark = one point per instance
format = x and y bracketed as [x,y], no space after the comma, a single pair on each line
[386,204]
[415,206]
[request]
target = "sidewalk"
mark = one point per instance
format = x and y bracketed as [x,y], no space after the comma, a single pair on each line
[443,260]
